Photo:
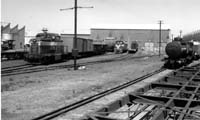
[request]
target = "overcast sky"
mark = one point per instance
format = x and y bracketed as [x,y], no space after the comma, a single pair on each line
[36,14]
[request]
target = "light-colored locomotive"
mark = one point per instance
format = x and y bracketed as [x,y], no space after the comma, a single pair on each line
[46,48]
[120,47]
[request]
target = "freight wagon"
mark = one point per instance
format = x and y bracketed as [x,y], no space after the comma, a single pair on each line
[84,46]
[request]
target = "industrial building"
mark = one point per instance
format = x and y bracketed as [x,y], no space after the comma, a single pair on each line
[147,36]
[14,35]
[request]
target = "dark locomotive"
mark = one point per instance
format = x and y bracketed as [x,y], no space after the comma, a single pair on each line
[133,47]
[180,53]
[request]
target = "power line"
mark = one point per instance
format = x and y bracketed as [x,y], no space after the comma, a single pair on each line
[75,50]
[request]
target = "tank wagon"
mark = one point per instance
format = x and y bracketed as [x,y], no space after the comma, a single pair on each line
[180,53]
[110,46]
[99,47]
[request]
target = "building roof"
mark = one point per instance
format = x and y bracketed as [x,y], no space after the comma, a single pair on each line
[6,29]
[14,29]
[131,26]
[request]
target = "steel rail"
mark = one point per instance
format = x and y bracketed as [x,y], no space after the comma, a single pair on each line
[80,103]
[166,107]
[11,67]
[20,68]
[39,69]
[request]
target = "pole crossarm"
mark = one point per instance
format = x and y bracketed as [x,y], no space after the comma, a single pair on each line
[67,9]
[76,7]
[85,7]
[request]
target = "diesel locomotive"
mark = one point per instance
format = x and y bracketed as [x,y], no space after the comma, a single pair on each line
[120,47]
[46,48]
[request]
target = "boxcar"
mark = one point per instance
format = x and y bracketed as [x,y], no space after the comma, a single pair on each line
[84,46]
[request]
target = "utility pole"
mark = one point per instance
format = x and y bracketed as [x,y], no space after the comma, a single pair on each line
[160,22]
[75,50]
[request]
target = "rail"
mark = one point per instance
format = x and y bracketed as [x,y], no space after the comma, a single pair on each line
[173,97]
[39,69]
[80,103]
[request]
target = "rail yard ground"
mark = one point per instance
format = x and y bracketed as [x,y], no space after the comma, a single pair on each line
[27,96]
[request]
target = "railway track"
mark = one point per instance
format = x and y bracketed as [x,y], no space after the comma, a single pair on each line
[30,69]
[173,97]
[85,101]
[15,68]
